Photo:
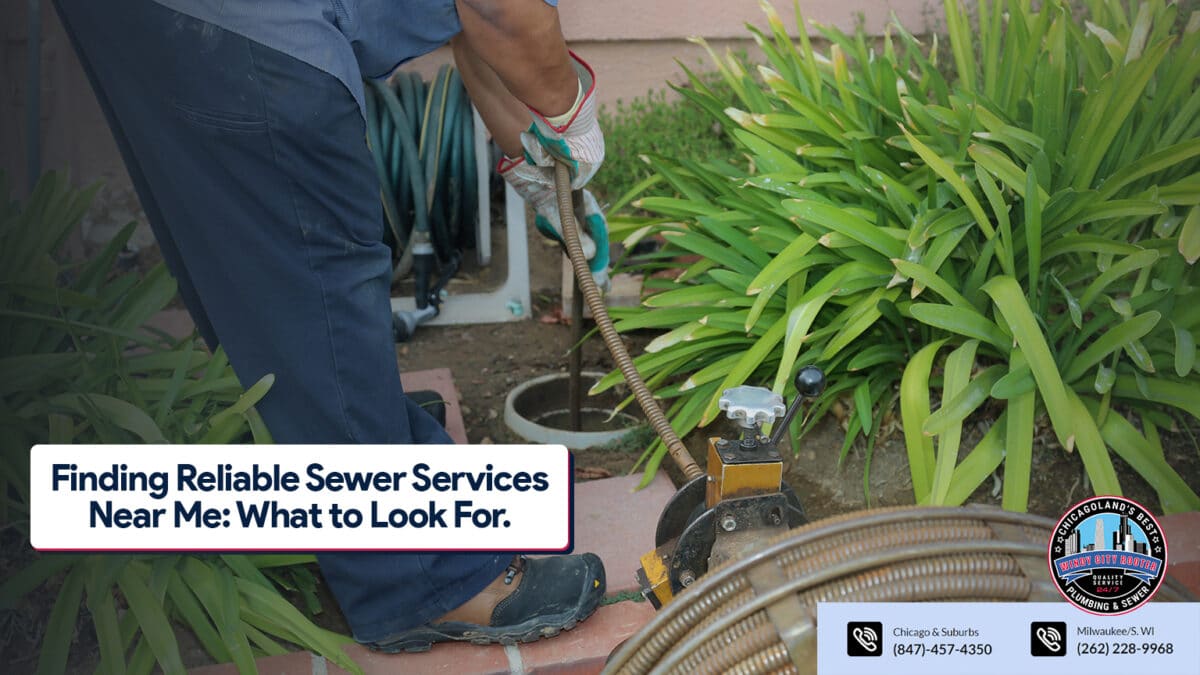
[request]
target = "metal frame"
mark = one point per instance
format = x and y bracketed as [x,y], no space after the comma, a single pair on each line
[511,301]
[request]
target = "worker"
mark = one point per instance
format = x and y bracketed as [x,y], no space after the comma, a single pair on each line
[241,123]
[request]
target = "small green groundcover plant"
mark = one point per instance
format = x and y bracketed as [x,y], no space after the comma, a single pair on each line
[1007,224]
[77,365]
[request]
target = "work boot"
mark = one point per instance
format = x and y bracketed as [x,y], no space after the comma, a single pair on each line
[534,598]
[431,402]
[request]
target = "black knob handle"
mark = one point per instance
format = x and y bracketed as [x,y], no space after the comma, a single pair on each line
[810,382]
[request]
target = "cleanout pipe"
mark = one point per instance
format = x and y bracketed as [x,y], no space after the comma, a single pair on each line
[575,361]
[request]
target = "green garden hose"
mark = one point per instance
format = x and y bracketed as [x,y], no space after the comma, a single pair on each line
[422,138]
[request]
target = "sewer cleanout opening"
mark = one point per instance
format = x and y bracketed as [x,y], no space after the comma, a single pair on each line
[538,411]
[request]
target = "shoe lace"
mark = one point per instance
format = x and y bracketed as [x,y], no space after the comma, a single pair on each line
[515,567]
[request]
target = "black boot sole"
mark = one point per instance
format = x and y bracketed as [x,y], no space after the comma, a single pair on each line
[422,638]
[530,631]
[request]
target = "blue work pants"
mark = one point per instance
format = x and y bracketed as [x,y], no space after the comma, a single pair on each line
[254,172]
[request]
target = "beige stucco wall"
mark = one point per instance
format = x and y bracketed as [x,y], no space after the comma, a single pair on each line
[605,20]
[632,44]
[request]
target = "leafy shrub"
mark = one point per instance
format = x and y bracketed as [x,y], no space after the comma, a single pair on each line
[654,124]
[1018,241]
[77,367]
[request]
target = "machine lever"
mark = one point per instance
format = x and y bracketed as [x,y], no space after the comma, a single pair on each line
[810,382]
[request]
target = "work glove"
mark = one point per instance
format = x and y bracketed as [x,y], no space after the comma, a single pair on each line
[535,184]
[574,137]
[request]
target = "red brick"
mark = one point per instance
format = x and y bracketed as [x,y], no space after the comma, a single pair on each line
[440,380]
[1183,548]
[585,648]
[454,657]
[581,650]
[296,663]
[617,523]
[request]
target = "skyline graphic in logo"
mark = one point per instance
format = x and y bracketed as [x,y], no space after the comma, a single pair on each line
[1107,555]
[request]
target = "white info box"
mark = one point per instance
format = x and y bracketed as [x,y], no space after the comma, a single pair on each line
[307,498]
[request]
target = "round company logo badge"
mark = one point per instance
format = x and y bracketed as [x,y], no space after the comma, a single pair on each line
[1108,555]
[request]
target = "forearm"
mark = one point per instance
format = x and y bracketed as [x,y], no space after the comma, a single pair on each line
[522,42]
[504,115]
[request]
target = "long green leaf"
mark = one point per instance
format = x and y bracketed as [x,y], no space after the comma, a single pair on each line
[963,321]
[1126,265]
[958,373]
[800,319]
[1112,340]
[746,365]
[962,400]
[1033,234]
[946,171]
[1092,450]
[153,621]
[60,627]
[914,410]
[983,459]
[273,607]
[1007,295]
[960,42]
[116,411]
[31,576]
[846,223]
[1136,450]
[1144,166]
[104,616]
[1018,442]
[1189,237]
[927,278]
[1181,395]
[1185,351]
[190,610]
[856,320]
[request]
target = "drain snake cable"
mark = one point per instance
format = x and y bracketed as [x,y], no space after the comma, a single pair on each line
[591,294]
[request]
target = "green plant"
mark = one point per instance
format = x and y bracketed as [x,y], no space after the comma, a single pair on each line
[79,368]
[1019,242]
[654,124]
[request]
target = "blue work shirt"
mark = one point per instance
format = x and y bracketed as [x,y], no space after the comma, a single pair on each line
[349,39]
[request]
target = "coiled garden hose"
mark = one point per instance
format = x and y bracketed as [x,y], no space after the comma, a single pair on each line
[758,613]
[591,294]
[422,139]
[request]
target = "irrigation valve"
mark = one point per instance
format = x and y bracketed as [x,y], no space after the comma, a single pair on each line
[740,502]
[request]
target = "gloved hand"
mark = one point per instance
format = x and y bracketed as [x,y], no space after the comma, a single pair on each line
[573,137]
[535,185]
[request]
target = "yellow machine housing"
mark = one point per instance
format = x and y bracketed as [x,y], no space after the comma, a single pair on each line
[740,501]
[739,479]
